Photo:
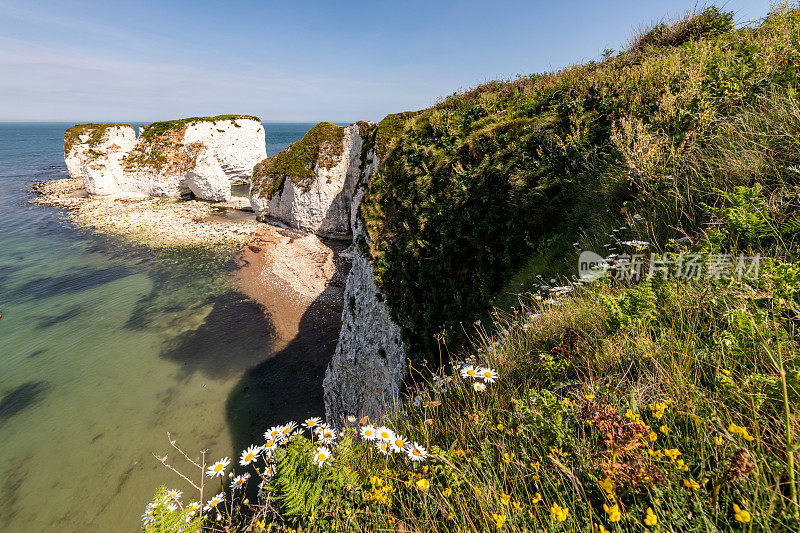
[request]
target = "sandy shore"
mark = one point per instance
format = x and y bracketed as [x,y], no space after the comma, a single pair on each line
[284,270]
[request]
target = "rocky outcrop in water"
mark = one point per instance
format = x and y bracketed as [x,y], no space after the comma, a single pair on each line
[309,185]
[203,156]
[94,153]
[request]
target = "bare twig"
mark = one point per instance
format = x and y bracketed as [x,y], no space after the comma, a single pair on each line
[163,461]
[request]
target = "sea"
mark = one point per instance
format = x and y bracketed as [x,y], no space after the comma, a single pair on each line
[106,346]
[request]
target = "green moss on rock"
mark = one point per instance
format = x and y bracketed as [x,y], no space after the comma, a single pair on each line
[96,134]
[322,145]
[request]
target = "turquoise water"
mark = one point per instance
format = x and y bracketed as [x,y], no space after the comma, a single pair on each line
[105,346]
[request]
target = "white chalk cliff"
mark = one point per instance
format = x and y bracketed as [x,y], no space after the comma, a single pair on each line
[204,156]
[369,364]
[94,153]
[309,185]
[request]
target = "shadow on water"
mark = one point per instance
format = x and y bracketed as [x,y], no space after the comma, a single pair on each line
[48,321]
[18,399]
[76,281]
[288,385]
[235,335]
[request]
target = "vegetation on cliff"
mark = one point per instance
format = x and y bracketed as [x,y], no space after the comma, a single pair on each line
[662,403]
[489,180]
[96,135]
[321,147]
[160,145]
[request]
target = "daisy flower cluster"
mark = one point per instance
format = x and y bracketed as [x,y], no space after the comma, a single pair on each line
[388,442]
[481,376]
[169,502]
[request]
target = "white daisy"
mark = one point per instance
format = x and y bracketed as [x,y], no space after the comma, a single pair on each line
[274,432]
[416,452]
[286,430]
[172,508]
[368,432]
[384,447]
[321,455]
[270,445]
[327,435]
[239,481]
[399,443]
[174,494]
[250,455]
[149,517]
[311,422]
[269,470]
[385,433]
[213,502]
[480,387]
[489,375]
[218,468]
[469,371]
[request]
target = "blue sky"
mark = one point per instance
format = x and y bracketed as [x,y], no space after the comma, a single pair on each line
[292,61]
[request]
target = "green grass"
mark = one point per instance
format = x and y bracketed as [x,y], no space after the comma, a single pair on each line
[489,178]
[664,405]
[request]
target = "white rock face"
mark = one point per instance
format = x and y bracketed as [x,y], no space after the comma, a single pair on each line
[324,208]
[96,156]
[204,157]
[368,367]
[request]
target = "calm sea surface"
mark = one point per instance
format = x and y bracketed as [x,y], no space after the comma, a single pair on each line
[105,346]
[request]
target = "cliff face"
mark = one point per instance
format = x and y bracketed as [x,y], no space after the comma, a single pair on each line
[368,367]
[94,152]
[310,185]
[203,156]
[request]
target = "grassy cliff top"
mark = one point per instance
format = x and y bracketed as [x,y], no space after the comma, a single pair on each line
[160,128]
[322,145]
[476,190]
[96,132]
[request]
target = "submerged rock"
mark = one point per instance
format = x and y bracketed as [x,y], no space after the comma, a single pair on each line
[204,156]
[309,185]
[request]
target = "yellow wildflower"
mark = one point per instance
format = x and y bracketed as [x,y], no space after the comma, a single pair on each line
[516,505]
[613,512]
[536,498]
[672,453]
[601,529]
[650,518]
[507,457]
[499,520]
[741,515]
[653,436]
[447,492]
[558,513]
[740,431]
[589,396]
[664,429]
[375,480]
[718,440]
[607,485]
[681,465]
[505,499]
[423,485]
[691,484]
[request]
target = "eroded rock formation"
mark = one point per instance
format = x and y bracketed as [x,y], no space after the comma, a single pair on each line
[205,156]
[309,185]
